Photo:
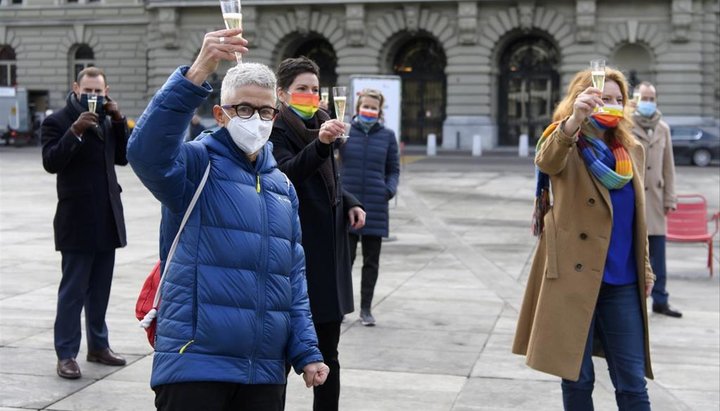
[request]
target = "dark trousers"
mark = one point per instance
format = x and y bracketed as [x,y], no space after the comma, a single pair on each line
[656,244]
[86,280]
[371,264]
[326,396]
[619,326]
[218,396]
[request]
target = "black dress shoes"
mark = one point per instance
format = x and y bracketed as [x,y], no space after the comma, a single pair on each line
[68,368]
[106,356]
[665,309]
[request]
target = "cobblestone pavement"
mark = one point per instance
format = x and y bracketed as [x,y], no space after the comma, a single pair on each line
[446,303]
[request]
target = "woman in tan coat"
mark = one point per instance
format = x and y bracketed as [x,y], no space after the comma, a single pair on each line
[590,275]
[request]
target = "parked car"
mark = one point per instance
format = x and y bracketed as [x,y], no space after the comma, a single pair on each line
[695,145]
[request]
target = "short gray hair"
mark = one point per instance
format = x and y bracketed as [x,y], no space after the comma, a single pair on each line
[245,74]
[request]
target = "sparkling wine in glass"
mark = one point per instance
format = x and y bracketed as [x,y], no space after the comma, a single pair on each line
[340,100]
[92,102]
[324,94]
[232,15]
[597,71]
[636,96]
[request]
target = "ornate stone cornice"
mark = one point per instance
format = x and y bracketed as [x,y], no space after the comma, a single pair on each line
[681,18]
[168,27]
[526,12]
[250,25]
[412,17]
[355,24]
[467,22]
[585,17]
[302,19]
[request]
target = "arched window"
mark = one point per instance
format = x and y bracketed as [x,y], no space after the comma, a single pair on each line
[321,52]
[8,66]
[420,61]
[81,57]
[529,88]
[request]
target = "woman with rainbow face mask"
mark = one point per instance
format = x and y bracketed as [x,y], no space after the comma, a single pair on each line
[303,138]
[371,170]
[587,288]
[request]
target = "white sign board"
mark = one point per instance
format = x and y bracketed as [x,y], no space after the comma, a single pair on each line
[390,87]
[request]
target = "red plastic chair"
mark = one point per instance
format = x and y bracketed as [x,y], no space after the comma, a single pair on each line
[689,223]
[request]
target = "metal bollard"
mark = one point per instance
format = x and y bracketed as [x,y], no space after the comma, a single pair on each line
[432,145]
[523,145]
[477,146]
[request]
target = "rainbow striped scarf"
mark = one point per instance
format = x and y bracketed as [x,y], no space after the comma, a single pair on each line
[611,166]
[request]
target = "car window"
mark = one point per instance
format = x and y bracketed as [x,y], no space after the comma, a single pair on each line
[685,133]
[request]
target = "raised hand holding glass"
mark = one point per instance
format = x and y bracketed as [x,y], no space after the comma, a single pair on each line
[232,15]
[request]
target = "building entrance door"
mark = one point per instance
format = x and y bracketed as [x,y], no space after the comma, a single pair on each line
[529,89]
[420,63]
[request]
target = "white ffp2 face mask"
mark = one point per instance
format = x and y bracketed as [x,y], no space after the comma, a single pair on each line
[251,134]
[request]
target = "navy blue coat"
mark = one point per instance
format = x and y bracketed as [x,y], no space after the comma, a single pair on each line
[89,215]
[371,169]
[234,305]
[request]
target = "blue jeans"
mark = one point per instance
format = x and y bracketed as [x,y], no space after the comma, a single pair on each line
[619,326]
[656,244]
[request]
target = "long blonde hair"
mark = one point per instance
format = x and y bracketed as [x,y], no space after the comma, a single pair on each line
[583,80]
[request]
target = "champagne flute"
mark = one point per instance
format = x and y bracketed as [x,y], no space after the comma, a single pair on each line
[232,15]
[597,72]
[325,94]
[340,100]
[92,102]
[636,96]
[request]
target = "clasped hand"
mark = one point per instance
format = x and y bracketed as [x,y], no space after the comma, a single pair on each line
[85,121]
[315,374]
[330,130]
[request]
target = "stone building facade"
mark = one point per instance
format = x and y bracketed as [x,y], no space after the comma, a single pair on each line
[493,68]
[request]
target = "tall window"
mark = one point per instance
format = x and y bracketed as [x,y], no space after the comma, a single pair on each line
[8,66]
[81,57]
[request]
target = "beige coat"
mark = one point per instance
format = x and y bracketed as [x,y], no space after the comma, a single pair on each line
[569,261]
[659,175]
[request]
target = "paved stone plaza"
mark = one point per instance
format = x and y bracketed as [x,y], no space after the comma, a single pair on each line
[447,299]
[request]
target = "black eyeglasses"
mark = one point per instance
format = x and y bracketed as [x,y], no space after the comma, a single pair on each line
[245,111]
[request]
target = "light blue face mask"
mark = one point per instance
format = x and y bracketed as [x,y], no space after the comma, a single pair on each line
[647,108]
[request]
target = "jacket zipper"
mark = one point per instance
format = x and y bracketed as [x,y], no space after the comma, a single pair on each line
[366,142]
[261,286]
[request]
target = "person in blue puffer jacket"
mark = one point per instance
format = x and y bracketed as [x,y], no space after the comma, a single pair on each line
[234,306]
[371,170]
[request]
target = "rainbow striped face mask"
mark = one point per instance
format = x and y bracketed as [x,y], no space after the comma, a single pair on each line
[608,118]
[304,105]
[369,117]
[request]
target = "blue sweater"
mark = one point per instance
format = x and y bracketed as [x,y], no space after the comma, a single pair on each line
[234,305]
[620,268]
[370,170]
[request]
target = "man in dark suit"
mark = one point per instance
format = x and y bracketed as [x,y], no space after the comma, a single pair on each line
[82,147]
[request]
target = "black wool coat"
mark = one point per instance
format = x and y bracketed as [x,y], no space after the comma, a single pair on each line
[89,215]
[324,224]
